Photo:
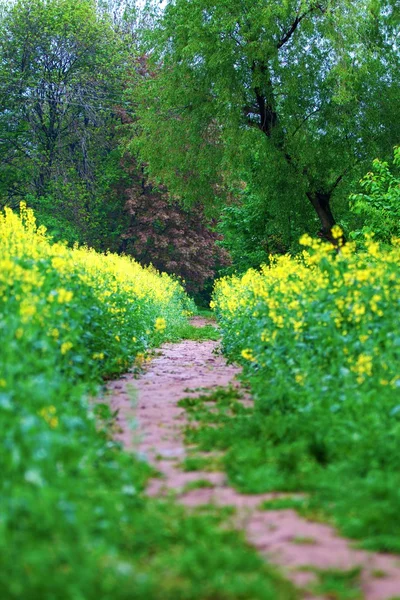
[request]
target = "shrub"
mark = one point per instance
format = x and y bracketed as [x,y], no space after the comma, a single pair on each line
[379,202]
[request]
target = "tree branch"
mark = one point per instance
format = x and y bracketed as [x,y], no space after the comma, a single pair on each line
[341,176]
[305,120]
[286,37]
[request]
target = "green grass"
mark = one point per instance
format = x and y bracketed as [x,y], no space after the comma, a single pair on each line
[202,463]
[223,512]
[338,585]
[197,334]
[206,313]
[295,503]
[198,485]
[378,573]
[319,340]
[304,541]
[270,452]
[77,524]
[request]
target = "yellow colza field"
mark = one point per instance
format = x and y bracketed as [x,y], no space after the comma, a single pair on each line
[318,337]
[69,294]
[75,519]
[348,298]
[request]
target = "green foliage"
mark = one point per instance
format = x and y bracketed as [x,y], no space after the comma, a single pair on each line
[198,485]
[206,462]
[252,229]
[207,313]
[284,503]
[379,203]
[75,522]
[339,585]
[161,232]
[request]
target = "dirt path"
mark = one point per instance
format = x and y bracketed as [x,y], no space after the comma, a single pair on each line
[158,436]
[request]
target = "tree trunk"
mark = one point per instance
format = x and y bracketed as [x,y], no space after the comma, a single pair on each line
[269,123]
[321,205]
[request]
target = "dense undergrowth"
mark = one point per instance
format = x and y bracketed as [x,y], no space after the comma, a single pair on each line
[74,522]
[318,336]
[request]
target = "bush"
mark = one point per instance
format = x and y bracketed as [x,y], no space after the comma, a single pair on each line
[379,203]
[319,339]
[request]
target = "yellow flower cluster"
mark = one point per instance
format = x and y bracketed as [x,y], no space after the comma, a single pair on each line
[20,237]
[60,298]
[66,347]
[336,305]
[160,324]
[247,354]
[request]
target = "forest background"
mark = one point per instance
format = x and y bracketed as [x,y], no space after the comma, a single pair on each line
[201,136]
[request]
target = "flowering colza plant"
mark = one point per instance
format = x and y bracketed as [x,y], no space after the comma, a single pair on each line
[91,311]
[318,336]
[68,317]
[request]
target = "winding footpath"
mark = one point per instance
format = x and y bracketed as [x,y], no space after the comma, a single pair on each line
[153,425]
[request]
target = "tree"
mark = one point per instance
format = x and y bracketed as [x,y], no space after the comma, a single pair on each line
[59,80]
[159,231]
[290,98]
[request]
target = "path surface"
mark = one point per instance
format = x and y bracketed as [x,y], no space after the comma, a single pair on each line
[158,436]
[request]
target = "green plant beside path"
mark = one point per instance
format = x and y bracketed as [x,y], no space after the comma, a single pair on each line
[191,332]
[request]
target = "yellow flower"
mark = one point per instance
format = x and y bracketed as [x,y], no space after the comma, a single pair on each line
[66,347]
[347,250]
[117,338]
[247,354]
[59,263]
[3,383]
[306,240]
[27,311]
[358,311]
[160,324]
[98,356]
[336,232]
[297,325]
[140,359]
[64,296]
[363,367]
[373,249]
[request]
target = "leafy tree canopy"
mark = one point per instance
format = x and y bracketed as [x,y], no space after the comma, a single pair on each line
[58,81]
[284,99]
